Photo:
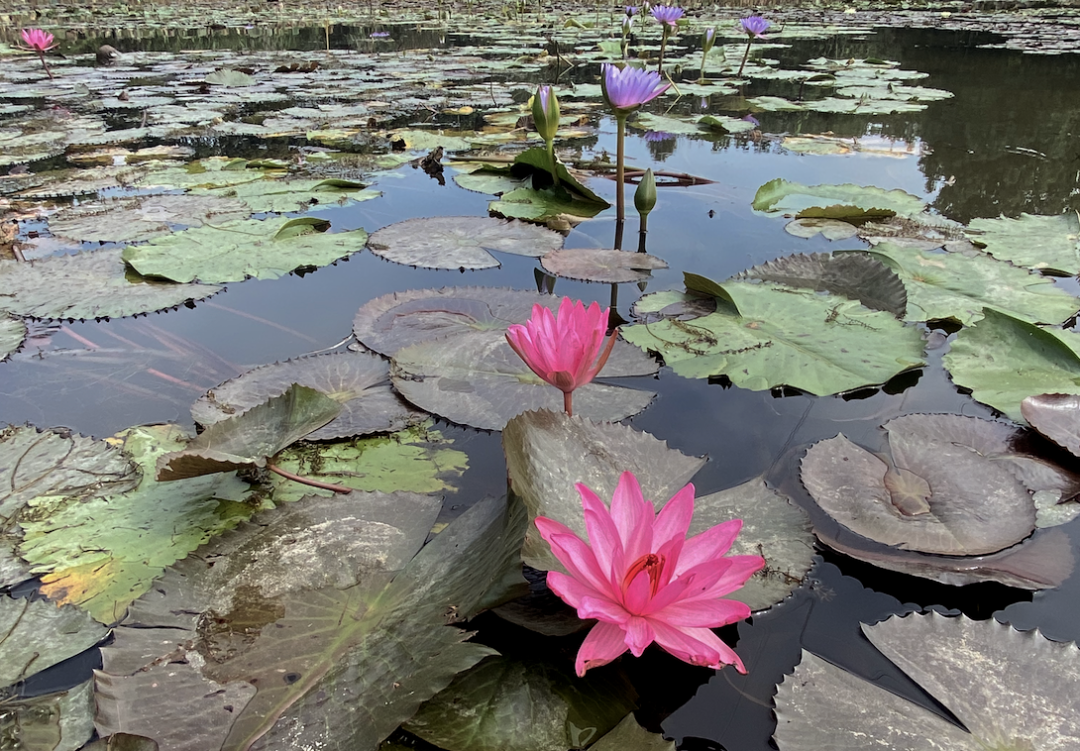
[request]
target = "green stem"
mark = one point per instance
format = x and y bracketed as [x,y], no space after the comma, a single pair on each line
[620,201]
[701,76]
[745,55]
[551,158]
[663,46]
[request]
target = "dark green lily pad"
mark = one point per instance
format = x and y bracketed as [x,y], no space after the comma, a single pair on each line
[1003,360]
[460,242]
[958,286]
[358,381]
[248,439]
[834,201]
[599,265]
[1012,690]
[88,285]
[398,319]
[134,219]
[1046,243]
[541,205]
[12,334]
[35,634]
[136,534]
[55,722]
[523,705]
[850,275]
[823,344]
[233,252]
[477,380]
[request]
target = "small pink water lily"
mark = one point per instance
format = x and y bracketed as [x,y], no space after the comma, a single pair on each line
[645,582]
[36,40]
[566,350]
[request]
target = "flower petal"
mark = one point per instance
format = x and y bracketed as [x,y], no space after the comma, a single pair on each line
[603,536]
[702,614]
[602,609]
[580,562]
[674,518]
[698,646]
[633,517]
[605,642]
[571,591]
[639,635]
[710,544]
[741,569]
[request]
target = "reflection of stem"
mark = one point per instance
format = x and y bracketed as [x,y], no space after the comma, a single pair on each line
[618,235]
[745,55]
[568,402]
[620,205]
[663,45]
[44,64]
[307,480]
[614,298]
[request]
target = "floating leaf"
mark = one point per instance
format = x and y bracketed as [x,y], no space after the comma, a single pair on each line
[537,158]
[228,77]
[358,381]
[54,722]
[460,242]
[1056,416]
[233,252]
[477,380]
[830,229]
[850,275]
[212,172]
[540,205]
[1003,360]
[398,319]
[1046,243]
[12,334]
[247,440]
[1010,689]
[87,285]
[957,286]
[629,736]
[845,201]
[413,460]
[524,705]
[134,219]
[597,265]
[122,742]
[276,195]
[818,343]
[135,534]
[35,634]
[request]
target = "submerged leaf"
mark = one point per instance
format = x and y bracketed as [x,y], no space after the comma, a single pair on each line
[35,635]
[54,722]
[460,242]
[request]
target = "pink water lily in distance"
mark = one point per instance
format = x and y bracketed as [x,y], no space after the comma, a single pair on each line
[626,89]
[755,26]
[643,581]
[667,14]
[566,350]
[38,40]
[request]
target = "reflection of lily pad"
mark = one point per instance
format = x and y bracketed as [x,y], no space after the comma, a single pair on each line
[1047,243]
[478,380]
[598,265]
[87,285]
[834,201]
[460,242]
[358,381]
[233,252]
[1010,689]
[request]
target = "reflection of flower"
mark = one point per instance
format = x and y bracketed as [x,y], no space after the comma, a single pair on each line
[755,26]
[38,40]
[667,14]
[626,89]
[644,581]
[631,10]
[379,34]
[566,350]
[750,119]
[655,136]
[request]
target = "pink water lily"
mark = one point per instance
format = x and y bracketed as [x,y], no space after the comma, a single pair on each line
[566,350]
[36,40]
[643,581]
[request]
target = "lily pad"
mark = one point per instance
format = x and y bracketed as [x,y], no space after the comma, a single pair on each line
[35,635]
[1010,689]
[55,722]
[1056,416]
[822,344]
[1004,360]
[845,201]
[477,380]
[12,334]
[1046,243]
[958,286]
[135,534]
[266,249]
[629,736]
[86,286]
[247,440]
[850,275]
[541,205]
[398,319]
[271,195]
[830,229]
[358,381]
[134,219]
[212,172]
[598,265]
[460,242]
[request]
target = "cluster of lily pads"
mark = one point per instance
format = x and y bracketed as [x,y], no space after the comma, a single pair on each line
[274,579]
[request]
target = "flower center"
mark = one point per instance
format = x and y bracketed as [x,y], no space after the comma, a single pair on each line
[651,563]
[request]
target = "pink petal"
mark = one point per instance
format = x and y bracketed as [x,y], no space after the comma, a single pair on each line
[633,517]
[637,595]
[570,590]
[639,635]
[710,544]
[674,518]
[604,643]
[698,646]
[741,569]
[702,614]
[602,609]
[603,536]
[580,562]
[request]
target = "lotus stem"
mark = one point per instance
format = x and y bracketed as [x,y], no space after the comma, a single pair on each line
[307,480]
[568,402]
[44,64]
[746,54]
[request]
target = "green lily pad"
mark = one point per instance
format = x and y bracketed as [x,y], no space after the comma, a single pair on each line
[12,334]
[1045,243]
[478,380]
[852,275]
[247,440]
[541,205]
[414,460]
[35,635]
[55,722]
[1003,360]
[1011,690]
[228,77]
[846,201]
[822,344]
[830,229]
[233,252]
[537,159]
[135,219]
[274,195]
[492,181]
[88,285]
[136,534]
[523,705]
[629,736]
[212,172]
[358,381]
[460,242]
[600,265]
[959,286]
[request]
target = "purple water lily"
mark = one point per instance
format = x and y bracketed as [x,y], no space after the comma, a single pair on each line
[626,89]
[631,10]
[667,14]
[755,26]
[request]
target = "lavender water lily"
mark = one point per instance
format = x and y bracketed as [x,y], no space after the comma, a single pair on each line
[668,16]
[754,27]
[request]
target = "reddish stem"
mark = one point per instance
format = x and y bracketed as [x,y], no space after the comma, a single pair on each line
[44,64]
[307,480]
[568,402]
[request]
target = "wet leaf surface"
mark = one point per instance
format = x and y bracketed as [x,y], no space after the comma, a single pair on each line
[53,722]
[1056,416]
[460,242]
[1047,243]
[35,635]
[599,265]
[834,201]
[134,219]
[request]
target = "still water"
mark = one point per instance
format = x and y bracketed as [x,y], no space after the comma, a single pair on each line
[1008,142]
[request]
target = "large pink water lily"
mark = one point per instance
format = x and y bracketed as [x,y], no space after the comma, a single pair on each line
[566,350]
[643,581]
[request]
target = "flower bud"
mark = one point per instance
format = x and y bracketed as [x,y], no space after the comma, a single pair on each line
[645,195]
[545,112]
[708,39]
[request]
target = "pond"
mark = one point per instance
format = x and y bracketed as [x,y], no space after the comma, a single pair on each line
[237,187]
